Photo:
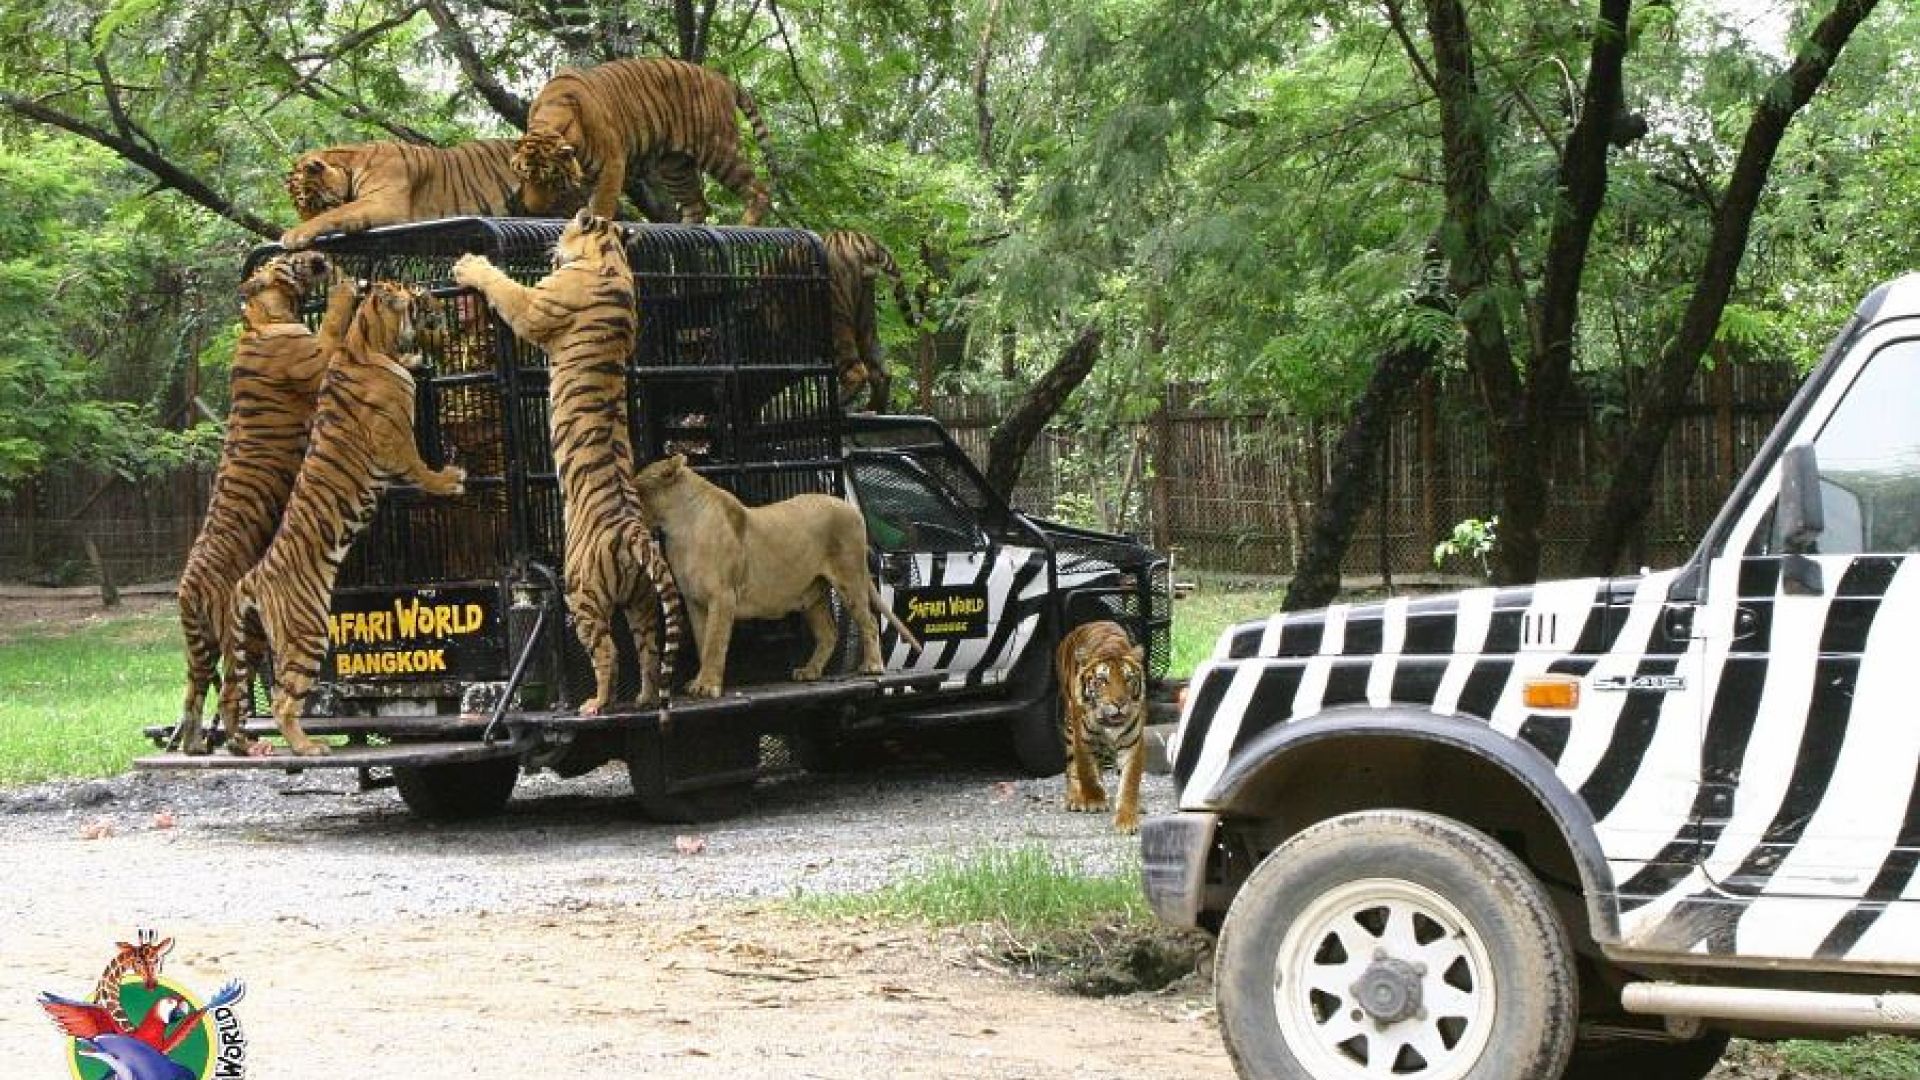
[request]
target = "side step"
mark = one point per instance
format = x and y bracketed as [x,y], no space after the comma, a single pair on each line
[343,757]
[1812,1008]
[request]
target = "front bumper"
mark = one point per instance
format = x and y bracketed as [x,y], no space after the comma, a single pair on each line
[1173,864]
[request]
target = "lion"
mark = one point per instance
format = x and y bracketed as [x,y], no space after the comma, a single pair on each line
[740,562]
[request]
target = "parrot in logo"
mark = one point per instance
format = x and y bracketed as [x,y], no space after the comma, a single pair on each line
[166,1025]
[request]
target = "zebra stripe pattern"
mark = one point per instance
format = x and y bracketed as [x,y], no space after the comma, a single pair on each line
[1767,804]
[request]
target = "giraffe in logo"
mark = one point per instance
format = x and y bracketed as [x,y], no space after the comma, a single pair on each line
[142,960]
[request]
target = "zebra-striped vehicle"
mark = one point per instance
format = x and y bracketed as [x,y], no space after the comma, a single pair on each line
[1594,826]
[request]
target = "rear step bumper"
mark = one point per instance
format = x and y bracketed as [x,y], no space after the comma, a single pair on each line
[452,739]
[344,757]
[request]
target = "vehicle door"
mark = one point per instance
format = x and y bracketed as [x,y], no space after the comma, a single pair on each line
[1809,825]
[940,571]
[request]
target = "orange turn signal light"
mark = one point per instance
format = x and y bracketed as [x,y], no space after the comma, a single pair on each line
[1552,692]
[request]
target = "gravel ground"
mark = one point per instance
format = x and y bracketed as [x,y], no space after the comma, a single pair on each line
[313,847]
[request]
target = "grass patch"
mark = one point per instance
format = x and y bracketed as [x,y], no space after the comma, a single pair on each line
[1869,1057]
[1025,890]
[76,699]
[1198,620]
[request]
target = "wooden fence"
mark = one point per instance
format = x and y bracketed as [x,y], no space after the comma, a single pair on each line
[1237,492]
[1225,491]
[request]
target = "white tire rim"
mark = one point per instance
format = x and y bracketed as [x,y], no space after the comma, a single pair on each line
[1383,977]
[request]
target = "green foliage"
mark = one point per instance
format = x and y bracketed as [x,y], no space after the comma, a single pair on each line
[61,325]
[1238,195]
[1869,1057]
[1471,539]
[1023,890]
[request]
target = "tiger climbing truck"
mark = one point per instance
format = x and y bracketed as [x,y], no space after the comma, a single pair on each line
[453,667]
[1588,825]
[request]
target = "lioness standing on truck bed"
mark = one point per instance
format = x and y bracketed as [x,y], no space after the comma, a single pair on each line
[740,562]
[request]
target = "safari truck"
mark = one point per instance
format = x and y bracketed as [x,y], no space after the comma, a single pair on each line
[1601,822]
[453,667]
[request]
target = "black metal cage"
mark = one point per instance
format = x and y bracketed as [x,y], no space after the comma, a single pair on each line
[733,367]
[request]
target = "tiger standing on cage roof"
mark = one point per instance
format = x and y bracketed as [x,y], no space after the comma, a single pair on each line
[363,440]
[582,314]
[277,366]
[667,119]
[1103,683]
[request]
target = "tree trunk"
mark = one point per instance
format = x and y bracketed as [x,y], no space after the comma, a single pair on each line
[1631,493]
[1316,578]
[1007,449]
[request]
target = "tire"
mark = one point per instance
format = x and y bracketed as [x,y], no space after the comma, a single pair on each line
[463,792]
[650,767]
[1648,1060]
[1440,943]
[1034,729]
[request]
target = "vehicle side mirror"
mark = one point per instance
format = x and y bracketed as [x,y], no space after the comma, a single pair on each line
[1799,518]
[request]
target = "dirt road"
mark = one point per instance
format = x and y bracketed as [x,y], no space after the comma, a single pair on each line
[567,938]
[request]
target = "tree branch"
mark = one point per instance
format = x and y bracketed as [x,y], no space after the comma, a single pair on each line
[1630,493]
[163,170]
[1399,24]
[510,106]
[793,62]
[1582,188]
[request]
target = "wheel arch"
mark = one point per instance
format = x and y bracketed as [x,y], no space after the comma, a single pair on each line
[1360,758]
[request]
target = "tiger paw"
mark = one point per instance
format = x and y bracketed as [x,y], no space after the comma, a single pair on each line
[1087,804]
[244,746]
[591,707]
[703,688]
[309,748]
[451,480]
[806,674]
[470,270]
[1127,820]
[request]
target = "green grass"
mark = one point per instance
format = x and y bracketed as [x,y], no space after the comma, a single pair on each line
[73,701]
[1870,1057]
[1198,620]
[1025,890]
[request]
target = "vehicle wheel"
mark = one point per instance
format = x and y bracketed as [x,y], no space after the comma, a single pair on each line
[652,766]
[1647,1059]
[1394,943]
[1034,730]
[461,792]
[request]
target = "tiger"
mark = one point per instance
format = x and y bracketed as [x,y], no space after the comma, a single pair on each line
[583,315]
[362,440]
[366,185]
[665,118]
[1103,687]
[277,365]
[854,259]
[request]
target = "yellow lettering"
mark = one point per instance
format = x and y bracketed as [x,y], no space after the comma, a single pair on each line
[436,660]
[407,612]
[473,619]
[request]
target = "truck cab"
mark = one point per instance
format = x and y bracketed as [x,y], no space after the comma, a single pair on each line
[452,666]
[1591,825]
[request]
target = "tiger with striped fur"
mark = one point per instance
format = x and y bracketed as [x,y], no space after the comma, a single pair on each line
[854,261]
[362,441]
[366,185]
[667,119]
[582,314]
[1103,686]
[277,365]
